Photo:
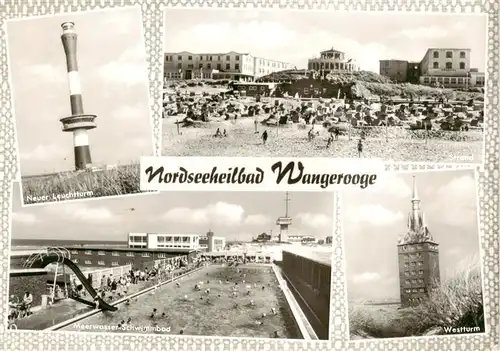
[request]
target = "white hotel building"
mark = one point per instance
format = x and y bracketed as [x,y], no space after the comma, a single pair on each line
[209,242]
[230,65]
[450,68]
[160,241]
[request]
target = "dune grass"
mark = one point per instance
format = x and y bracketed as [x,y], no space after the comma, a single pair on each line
[457,303]
[123,180]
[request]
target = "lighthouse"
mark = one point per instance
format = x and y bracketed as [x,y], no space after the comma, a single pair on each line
[78,123]
[284,222]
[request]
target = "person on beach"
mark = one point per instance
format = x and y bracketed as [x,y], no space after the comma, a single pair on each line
[264,137]
[360,147]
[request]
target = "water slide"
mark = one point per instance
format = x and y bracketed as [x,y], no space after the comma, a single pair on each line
[45,260]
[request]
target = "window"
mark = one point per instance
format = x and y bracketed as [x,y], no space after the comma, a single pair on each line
[179,58]
[130,254]
[100,263]
[237,57]
[219,66]
[209,65]
[449,65]
[420,272]
[190,66]
[426,80]
[435,54]
[449,54]
[145,254]
[462,65]
[88,262]
[420,263]
[161,239]
[101,253]
[200,65]
[114,253]
[228,58]
[88,252]
[114,263]
[237,66]
[407,274]
[74,252]
[462,54]
[228,66]
[435,65]
[421,290]
[179,65]
[161,255]
[407,282]
[190,58]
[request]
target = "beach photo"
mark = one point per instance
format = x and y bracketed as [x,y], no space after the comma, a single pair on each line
[406,87]
[225,264]
[413,257]
[80,96]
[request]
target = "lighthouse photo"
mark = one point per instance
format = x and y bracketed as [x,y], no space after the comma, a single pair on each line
[80,93]
[413,260]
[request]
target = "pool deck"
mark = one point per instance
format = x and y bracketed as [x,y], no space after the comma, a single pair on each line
[63,310]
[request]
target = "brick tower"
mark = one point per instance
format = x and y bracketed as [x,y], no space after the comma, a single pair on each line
[418,255]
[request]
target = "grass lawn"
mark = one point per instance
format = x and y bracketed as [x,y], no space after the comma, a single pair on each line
[291,141]
[46,188]
[217,313]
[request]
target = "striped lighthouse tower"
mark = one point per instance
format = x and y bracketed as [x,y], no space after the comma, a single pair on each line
[79,122]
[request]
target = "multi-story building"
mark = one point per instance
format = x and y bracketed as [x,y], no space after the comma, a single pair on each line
[400,71]
[106,256]
[212,243]
[418,255]
[332,61]
[232,65]
[449,68]
[157,241]
[395,70]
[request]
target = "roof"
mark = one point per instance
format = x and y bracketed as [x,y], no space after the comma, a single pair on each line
[251,83]
[206,53]
[130,249]
[331,50]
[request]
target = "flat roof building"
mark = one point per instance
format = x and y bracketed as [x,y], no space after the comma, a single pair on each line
[229,65]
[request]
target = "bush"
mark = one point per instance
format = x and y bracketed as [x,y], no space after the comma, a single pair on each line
[456,303]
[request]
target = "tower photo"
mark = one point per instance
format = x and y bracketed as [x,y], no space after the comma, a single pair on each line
[81,103]
[412,250]
[78,122]
[418,255]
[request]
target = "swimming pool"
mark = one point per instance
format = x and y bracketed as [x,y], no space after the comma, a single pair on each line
[220,312]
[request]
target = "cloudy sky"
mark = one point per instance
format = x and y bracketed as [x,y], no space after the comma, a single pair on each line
[234,215]
[114,79]
[295,36]
[374,219]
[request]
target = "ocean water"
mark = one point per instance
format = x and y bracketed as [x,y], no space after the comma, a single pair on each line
[41,243]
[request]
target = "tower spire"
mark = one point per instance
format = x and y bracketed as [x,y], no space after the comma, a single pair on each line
[415,191]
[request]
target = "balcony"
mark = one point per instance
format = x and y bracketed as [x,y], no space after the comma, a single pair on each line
[72,123]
